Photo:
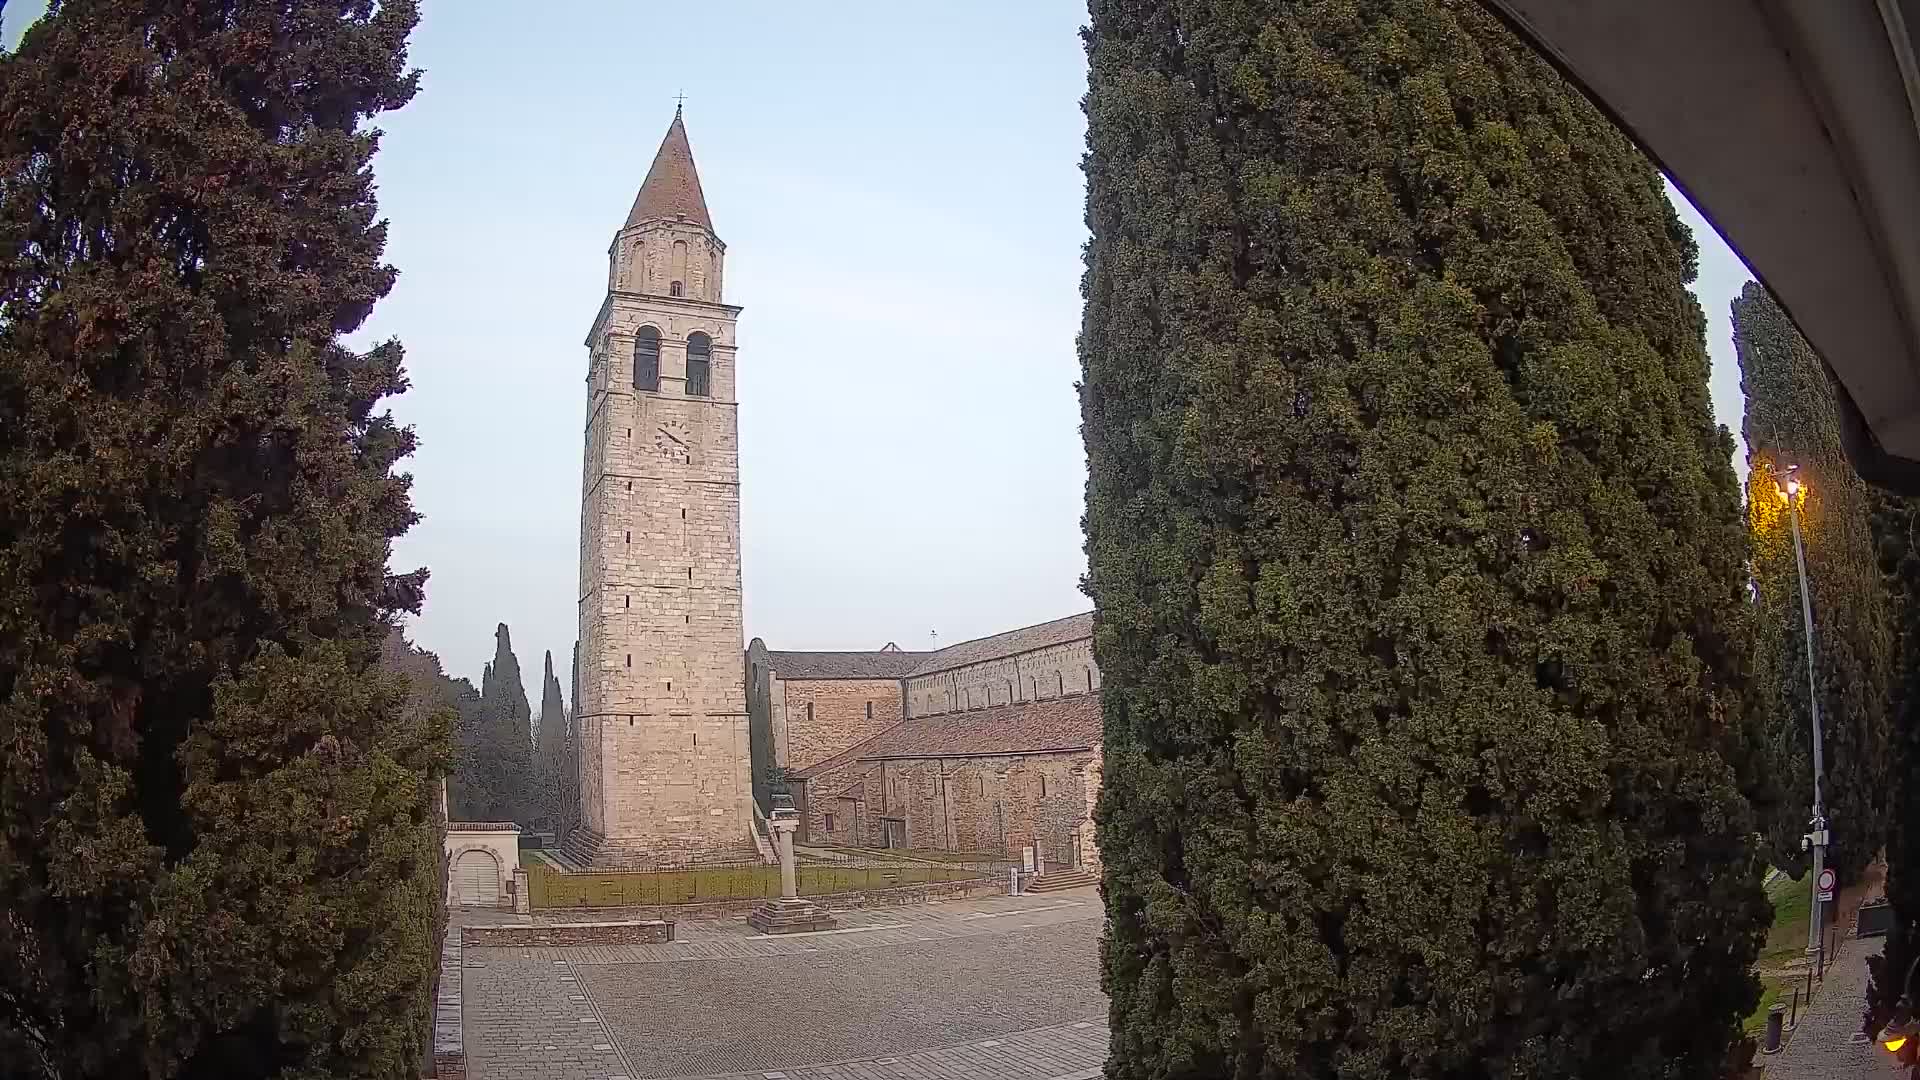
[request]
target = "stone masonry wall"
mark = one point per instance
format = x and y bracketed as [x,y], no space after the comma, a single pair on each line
[665,749]
[1067,668]
[826,716]
[992,805]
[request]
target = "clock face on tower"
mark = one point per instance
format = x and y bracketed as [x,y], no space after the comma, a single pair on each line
[673,441]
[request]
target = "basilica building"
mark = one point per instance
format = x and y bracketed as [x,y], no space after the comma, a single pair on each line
[989,746]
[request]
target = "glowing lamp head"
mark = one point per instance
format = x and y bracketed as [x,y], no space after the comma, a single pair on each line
[1897,1038]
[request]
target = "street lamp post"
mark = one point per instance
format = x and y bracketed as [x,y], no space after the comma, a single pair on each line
[1816,840]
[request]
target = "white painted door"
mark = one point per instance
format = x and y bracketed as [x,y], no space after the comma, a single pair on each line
[476,881]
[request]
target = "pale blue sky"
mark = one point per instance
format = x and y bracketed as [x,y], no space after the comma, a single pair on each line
[899,189]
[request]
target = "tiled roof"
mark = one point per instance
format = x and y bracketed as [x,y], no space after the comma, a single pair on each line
[1025,727]
[842,665]
[1025,639]
[672,187]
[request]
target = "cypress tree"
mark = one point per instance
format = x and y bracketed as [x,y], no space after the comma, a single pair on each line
[506,744]
[430,699]
[1792,419]
[550,755]
[1896,529]
[218,857]
[570,775]
[1418,559]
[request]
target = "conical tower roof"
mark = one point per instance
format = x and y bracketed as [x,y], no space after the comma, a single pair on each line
[672,187]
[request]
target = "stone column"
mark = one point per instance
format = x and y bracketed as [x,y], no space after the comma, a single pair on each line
[791,913]
[783,831]
[522,903]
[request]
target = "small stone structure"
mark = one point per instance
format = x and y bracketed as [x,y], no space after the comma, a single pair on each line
[482,860]
[791,913]
[615,932]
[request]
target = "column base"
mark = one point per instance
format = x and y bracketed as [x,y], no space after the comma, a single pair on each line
[790,916]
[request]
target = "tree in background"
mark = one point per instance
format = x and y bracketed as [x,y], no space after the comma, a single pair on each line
[1896,530]
[570,775]
[1418,558]
[1792,419]
[218,858]
[550,756]
[467,793]
[503,770]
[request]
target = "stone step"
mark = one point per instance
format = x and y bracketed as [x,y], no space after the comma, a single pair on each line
[793,916]
[1056,880]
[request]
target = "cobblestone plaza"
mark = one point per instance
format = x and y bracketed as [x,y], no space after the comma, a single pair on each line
[1005,987]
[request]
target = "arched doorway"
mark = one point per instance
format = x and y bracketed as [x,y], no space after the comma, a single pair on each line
[476,879]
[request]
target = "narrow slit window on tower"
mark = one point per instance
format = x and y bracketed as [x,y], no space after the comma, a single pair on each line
[1043,785]
[689,573]
[869,710]
[629,485]
[809,712]
[629,659]
[646,362]
[676,289]
[626,601]
[1062,676]
[1089,678]
[699,365]
[683,513]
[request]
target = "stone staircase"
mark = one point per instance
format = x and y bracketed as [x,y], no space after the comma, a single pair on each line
[1057,880]
[762,842]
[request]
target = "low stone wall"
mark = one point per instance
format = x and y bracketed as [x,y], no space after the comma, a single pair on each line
[449,1042]
[621,932]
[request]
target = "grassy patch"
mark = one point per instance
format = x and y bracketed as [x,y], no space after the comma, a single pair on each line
[1787,939]
[1771,991]
[549,889]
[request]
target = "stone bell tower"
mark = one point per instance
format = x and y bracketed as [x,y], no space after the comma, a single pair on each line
[662,716]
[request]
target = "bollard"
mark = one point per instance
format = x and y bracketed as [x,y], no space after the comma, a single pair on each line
[1775,1016]
[1793,1018]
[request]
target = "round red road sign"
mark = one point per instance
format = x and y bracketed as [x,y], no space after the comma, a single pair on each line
[1826,880]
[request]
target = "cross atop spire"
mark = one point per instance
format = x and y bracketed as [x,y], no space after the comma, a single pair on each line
[679,99]
[672,186]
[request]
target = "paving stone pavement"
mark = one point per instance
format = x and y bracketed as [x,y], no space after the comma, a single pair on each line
[1007,987]
[1061,1052]
[1826,1044]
